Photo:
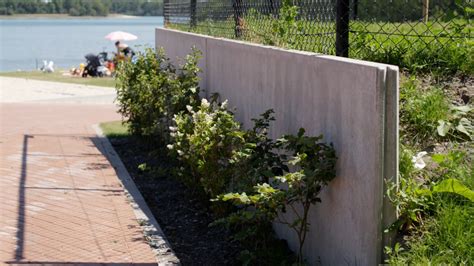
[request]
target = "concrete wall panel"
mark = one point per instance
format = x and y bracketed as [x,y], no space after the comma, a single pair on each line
[344,99]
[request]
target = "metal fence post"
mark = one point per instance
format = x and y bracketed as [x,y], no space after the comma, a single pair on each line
[355,10]
[271,8]
[166,14]
[237,10]
[192,14]
[342,28]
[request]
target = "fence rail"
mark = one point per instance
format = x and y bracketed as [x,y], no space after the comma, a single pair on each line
[378,30]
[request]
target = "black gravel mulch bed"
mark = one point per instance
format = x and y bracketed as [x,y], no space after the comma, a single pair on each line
[182,216]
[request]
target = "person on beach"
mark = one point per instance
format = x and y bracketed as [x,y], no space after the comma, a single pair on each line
[124,51]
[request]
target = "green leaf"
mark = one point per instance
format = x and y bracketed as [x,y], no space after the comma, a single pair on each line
[465,127]
[244,198]
[265,188]
[443,127]
[463,108]
[295,160]
[452,185]
[255,198]
[267,173]
[438,158]
[462,129]
[423,192]
[142,167]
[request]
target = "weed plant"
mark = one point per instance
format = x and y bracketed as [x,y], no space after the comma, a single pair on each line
[420,112]
[436,210]
[445,238]
[435,204]
[427,116]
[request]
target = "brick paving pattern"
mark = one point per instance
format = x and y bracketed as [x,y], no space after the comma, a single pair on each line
[61,201]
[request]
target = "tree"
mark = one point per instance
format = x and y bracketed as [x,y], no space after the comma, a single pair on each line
[82,7]
[426,8]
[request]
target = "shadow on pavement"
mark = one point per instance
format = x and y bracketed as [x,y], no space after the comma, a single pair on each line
[18,255]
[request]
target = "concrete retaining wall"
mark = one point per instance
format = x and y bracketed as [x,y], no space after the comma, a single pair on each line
[353,103]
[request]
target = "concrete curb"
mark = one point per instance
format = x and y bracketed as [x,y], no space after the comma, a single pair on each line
[151,229]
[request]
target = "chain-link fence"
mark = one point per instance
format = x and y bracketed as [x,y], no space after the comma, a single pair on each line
[392,31]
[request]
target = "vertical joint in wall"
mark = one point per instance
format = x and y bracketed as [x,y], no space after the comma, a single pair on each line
[390,153]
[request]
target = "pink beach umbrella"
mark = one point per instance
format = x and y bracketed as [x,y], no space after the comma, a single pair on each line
[120,36]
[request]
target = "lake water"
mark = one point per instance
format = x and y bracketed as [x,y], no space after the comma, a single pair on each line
[25,43]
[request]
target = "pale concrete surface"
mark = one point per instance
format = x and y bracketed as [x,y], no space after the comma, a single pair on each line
[28,90]
[353,103]
[61,200]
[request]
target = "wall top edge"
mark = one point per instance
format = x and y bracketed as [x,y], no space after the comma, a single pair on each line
[329,57]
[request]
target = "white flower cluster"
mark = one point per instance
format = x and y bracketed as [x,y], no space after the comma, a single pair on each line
[205,103]
[417,160]
[173,129]
[224,104]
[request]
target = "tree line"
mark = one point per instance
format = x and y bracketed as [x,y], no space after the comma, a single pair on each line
[82,7]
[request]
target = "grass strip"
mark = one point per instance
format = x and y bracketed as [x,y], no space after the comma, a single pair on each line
[59,77]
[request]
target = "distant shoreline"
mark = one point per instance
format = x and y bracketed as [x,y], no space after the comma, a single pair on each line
[64,16]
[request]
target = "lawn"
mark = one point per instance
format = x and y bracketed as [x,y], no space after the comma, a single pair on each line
[59,77]
[115,129]
[410,45]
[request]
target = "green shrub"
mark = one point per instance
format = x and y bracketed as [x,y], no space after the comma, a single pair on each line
[316,163]
[258,159]
[219,158]
[251,223]
[218,155]
[205,139]
[151,90]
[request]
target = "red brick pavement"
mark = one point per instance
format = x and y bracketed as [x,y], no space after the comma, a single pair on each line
[61,201]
